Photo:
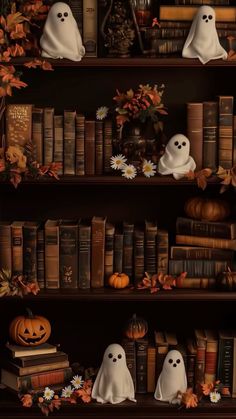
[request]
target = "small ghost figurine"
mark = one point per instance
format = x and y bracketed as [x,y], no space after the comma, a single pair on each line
[202,41]
[176,159]
[113,383]
[61,37]
[171,379]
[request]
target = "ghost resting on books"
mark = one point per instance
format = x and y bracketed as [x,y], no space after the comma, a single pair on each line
[61,37]
[176,159]
[113,383]
[202,41]
[172,378]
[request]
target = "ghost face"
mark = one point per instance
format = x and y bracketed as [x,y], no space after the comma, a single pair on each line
[114,357]
[177,150]
[173,360]
[60,13]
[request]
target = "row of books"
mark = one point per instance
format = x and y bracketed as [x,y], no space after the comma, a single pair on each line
[81,253]
[34,368]
[81,145]
[209,355]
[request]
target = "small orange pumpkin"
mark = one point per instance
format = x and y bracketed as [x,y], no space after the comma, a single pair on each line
[118,280]
[207,209]
[30,330]
[136,327]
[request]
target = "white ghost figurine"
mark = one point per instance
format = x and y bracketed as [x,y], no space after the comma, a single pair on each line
[176,159]
[61,37]
[113,383]
[171,379]
[202,41]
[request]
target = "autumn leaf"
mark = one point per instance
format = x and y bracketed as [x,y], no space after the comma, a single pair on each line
[189,399]
[13,19]
[47,66]
[190,175]
[15,178]
[17,50]
[15,82]
[18,32]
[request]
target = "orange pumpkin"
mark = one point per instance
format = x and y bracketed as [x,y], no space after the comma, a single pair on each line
[30,330]
[136,327]
[207,209]
[118,280]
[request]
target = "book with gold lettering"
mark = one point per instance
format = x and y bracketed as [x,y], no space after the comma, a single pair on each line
[18,124]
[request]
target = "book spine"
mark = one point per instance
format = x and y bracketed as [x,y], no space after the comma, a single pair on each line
[68,256]
[48,135]
[209,2]
[141,365]
[109,251]
[187,13]
[18,124]
[195,131]
[150,250]
[30,252]
[69,142]
[167,45]
[79,140]
[40,259]
[58,141]
[188,226]
[37,133]
[151,369]
[5,247]
[200,363]
[118,252]
[77,10]
[162,251]
[52,256]
[234,370]
[196,283]
[99,147]
[206,242]
[17,249]
[44,379]
[98,251]
[181,252]
[84,256]
[211,361]
[138,255]
[210,134]
[130,352]
[89,144]
[107,146]
[234,140]
[35,360]
[128,232]
[90,27]
[191,361]
[225,149]
[225,364]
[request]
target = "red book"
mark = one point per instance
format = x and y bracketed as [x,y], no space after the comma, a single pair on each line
[195,131]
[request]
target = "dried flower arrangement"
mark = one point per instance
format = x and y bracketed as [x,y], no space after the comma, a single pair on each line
[16,285]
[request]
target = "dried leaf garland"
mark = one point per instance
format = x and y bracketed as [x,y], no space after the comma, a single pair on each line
[200,176]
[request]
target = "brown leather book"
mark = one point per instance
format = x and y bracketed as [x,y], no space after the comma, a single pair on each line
[52,271]
[195,131]
[18,124]
[22,371]
[30,229]
[37,133]
[79,144]
[225,366]
[206,241]
[198,268]
[162,251]
[84,254]
[150,247]
[130,352]
[99,147]
[191,348]
[69,142]
[118,250]
[109,250]
[210,135]
[89,147]
[191,252]
[200,357]
[218,229]
[180,12]
[138,254]
[77,10]
[68,230]
[98,251]
[48,133]
[58,141]
[151,369]
[196,283]
[90,27]
[5,246]
[141,365]
[128,233]
[107,145]
[234,140]
[211,355]
[225,149]
[41,258]
[17,247]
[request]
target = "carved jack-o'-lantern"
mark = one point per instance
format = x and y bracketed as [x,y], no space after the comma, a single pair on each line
[30,330]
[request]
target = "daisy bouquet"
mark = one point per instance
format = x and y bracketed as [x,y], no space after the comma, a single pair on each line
[129,171]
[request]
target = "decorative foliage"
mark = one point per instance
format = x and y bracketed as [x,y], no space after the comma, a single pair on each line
[189,399]
[45,65]
[16,285]
[200,176]
[9,78]
[159,281]
[129,171]
[228,177]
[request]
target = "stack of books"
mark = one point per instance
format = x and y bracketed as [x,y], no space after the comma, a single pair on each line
[34,368]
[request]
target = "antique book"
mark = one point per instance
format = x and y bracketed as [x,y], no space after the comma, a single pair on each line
[200,357]
[89,147]
[130,352]
[151,369]
[17,247]
[210,135]
[223,13]
[18,124]
[98,251]
[150,247]
[17,351]
[191,252]
[206,241]
[37,133]
[30,230]
[225,148]
[191,348]
[40,258]
[107,146]
[69,142]
[68,249]
[84,254]
[225,360]
[195,131]
[90,27]
[138,254]
[162,251]
[5,246]
[48,134]
[52,270]
[118,250]
[198,268]
[58,141]
[99,147]
[234,140]
[41,359]
[21,371]
[77,10]
[109,250]
[218,229]
[196,283]
[211,356]
[234,370]
[79,144]
[128,232]
[141,365]
[200,2]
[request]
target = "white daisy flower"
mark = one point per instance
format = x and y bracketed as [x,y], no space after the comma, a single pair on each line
[48,393]
[129,171]
[149,168]
[118,162]
[77,381]
[215,396]
[67,392]
[102,112]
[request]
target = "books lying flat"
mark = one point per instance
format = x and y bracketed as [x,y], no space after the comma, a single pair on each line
[18,351]
[222,229]
[223,13]
[31,360]
[21,371]
[206,241]
[191,252]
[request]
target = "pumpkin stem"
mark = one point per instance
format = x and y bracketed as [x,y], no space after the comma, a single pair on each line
[29,313]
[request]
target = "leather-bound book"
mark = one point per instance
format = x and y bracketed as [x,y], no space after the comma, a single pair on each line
[162,251]
[187,12]
[211,355]
[18,124]
[128,234]
[191,252]
[30,230]
[210,134]
[225,149]
[17,247]
[118,250]
[89,147]
[198,268]
[107,146]
[191,348]
[99,147]
[98,251]
[52,272]
[32,360]
[130,352]
[138,254]
[48,133]
[196,283]
[234,140]
[218,229]
[84,254]
[69,142]
[225,360]
[5,246]
[79,144]
[150,247]
[200,357]
[195,131]
[68,230]
[41,258]
[37,133]
[58,141]
[206,241]
[151,369]
[141,365]
[234,369]
[90,27]
[77,10]
[109,250]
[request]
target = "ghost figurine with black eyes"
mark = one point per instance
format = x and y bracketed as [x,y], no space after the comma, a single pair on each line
[176,159]
[172,379]
[202,41]
[113,383]
[61,37]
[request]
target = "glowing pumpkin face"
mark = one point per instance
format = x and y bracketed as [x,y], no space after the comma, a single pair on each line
[30,330]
